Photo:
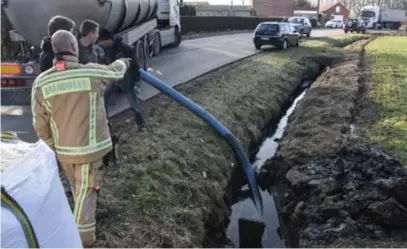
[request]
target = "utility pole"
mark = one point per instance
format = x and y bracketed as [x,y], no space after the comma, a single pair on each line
[319,20]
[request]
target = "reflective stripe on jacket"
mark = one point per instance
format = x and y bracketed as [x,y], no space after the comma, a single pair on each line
[9,137]
[68,109]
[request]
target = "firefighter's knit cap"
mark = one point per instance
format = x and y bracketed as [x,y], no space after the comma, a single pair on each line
[63,40]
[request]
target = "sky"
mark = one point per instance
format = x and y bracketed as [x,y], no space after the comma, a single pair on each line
[225,2]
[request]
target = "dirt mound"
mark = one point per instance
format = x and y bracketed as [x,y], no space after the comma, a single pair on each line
[321,122]
[348,198]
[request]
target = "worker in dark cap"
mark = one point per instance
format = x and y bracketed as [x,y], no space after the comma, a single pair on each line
[114,49]
[47,54]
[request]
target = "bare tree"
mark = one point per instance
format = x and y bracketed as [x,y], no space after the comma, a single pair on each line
[356,5]
[302,4]
[395,3]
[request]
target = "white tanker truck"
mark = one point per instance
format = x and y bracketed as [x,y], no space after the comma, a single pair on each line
[147,25]
[376,17]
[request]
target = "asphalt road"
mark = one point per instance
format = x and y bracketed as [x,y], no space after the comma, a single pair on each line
[174,66]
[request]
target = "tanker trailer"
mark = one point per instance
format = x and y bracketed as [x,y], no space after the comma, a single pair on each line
[147,25]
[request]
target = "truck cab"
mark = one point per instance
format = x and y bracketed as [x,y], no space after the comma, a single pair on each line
[377,17]
[370,15]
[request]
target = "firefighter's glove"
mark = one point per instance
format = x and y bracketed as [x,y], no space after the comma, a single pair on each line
[127,61]
[134,71]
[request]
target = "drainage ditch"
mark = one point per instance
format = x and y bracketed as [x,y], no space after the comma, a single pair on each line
[246,228]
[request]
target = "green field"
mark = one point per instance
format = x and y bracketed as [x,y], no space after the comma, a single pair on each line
[387,119]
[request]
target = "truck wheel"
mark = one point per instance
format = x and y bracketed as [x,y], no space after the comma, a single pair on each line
[285,45]
[156,44]
[257,46]
[139,50]
[178,38]
[146,51]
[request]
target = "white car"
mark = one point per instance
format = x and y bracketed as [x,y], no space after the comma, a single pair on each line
[336,24]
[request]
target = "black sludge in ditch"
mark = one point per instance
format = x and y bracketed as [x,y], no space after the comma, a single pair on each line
[246,228]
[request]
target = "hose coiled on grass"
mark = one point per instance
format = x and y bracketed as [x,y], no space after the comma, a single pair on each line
[218,126]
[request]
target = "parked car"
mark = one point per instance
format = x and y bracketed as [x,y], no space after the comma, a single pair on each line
[301,24]
[280,34]
[355,25]
[335,24]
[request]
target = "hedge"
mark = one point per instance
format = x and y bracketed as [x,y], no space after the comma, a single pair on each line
[195,24]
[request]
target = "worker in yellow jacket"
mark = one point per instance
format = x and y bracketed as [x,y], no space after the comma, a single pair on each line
[69,115]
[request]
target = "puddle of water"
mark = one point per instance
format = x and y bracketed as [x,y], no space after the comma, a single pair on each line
[270,145]
[353,133]
[244,207]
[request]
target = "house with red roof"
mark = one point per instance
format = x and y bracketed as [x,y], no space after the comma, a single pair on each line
[273,8]
[334,10]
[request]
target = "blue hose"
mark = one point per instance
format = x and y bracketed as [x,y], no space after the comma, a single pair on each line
[218,126]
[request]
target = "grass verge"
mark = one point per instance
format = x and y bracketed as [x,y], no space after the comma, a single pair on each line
[385,117]
[172,178]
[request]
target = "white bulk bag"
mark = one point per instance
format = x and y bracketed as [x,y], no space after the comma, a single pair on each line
[30,176]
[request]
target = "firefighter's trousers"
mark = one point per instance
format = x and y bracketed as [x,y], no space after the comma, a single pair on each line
[84,180]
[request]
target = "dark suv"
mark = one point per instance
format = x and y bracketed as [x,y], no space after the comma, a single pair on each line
[354,25]
[280,34]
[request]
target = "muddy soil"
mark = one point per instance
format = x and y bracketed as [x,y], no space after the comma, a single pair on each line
[355,198]
[333,195]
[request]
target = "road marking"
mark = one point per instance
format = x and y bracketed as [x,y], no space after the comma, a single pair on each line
[14,110]
[223,52]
